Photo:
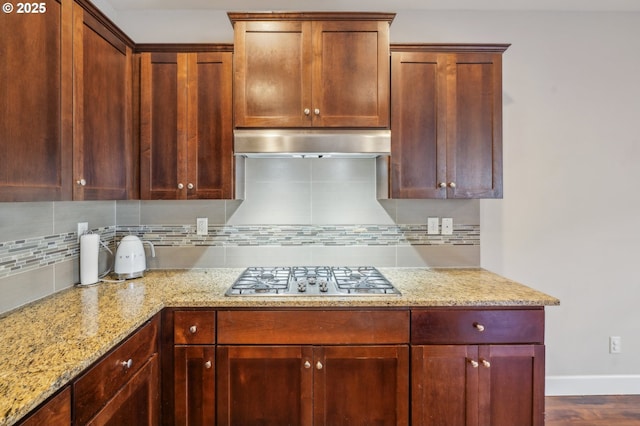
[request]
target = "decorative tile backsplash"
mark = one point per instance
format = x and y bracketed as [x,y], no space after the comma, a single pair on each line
[32,253]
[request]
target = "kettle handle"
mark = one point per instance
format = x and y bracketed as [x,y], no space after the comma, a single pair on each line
[105,273]
[153,250]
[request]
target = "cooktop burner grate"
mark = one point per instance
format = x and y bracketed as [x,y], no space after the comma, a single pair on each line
[311,281]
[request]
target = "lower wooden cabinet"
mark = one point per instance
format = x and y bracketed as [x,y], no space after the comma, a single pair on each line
[194,385]
[477,367]
[55,412]
[123,388]
[307,385]
[470,385]
[136,403]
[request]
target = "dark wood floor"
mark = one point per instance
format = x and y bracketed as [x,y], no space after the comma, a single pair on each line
[610,410]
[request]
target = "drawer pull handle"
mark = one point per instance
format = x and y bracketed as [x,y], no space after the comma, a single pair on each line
[307,364]
[193,329]
[486,363]
[207,365]
[319,365]
[478,326]
[474,363]
[127,364]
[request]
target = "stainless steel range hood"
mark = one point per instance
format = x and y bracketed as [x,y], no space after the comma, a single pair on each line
[303,143]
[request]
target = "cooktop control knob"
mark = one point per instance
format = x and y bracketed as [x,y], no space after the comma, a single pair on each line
[302,286]
[323,287]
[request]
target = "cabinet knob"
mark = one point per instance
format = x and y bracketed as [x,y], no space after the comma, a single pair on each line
[478,326]
[474,363]
[127,364]
[319,366]
[180,186]
[452,185]
[81,182]
[307,364]
[207,365]
[442,184]
[190,186]
[486,363]
[193,329]
[316,111]
[307,111]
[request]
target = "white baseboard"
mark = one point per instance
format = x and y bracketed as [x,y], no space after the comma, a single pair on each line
[592,385]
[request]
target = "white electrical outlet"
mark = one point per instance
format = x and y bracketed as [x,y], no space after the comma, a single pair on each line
[447,226]
[202,226]
[433,226]
[615,344]
[82,228]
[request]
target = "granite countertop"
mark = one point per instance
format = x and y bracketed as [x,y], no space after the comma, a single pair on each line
[46,344]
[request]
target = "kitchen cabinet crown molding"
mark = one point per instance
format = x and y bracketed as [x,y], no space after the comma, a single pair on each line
[311,16]
[101,18]
[183,47]
[449,47]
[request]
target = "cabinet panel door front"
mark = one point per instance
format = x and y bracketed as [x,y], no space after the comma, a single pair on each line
[475,127]
[162,101]
[264,385]
[194,375]
[361,385]
[102,111]
[272,74]
[511,385]
[444,385]
[350,74]
[35,104]
[418,145]
[210,122]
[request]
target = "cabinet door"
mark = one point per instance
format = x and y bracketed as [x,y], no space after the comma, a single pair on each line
[35,104]
[136,403]
[474,126]
[350,74]
[511,385]
[361,385]
[194,386]
[163,91]
[272,73]
[266,385]
[444,389]
[56,412]
[209,125]
[418,144]
[102,135]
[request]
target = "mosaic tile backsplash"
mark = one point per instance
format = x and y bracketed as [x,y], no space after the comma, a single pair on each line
[32,253]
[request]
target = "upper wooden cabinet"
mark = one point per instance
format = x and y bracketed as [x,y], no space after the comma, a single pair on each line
[186,138]
[311,69]
[103,160]
[35,95]
[446,113]
[66,90]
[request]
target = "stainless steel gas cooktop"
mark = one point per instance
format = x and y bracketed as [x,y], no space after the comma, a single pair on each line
[311,281]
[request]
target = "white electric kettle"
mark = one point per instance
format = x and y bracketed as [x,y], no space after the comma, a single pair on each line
[131,261]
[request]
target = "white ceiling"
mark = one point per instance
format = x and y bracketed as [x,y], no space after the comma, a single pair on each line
[375,5]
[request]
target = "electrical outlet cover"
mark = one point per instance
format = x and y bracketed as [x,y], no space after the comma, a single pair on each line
[433,226]
[202,226]
[82,228]
[447,226]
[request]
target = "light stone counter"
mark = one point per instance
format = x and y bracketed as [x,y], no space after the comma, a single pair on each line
[46,344]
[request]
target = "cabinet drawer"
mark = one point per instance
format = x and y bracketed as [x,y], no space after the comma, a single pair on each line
[457,326]
[194,327]
[98,385]
[313,327]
